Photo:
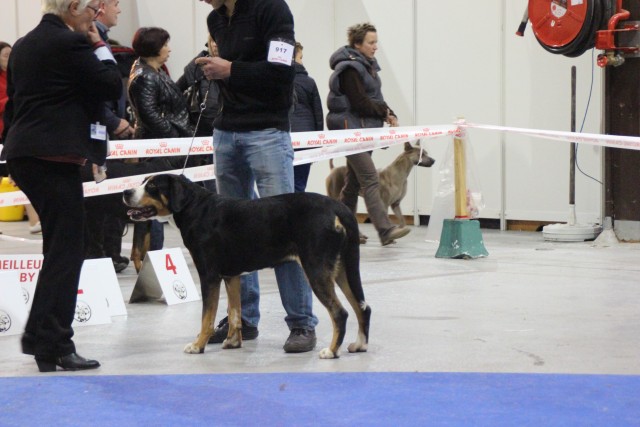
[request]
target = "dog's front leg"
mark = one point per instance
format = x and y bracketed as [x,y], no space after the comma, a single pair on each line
[234,337]
[140,244]
[398,213]
[210,298]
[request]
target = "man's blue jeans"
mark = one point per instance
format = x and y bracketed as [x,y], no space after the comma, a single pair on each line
[264,158]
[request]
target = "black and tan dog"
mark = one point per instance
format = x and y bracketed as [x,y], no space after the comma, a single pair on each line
[227,237]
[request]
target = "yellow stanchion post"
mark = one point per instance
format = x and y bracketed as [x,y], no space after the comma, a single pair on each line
[10,213]
[460,178]
[461,237]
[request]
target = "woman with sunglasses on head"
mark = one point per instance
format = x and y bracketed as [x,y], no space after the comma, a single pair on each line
[355,101]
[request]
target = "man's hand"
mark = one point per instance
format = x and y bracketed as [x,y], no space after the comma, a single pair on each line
[214,68]
[93,35]
[391,119]
[124,130]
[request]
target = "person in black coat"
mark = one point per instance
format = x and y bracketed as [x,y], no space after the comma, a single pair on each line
[306,114]
[158,105]
[59,76]
[198,91]
[206,91]
[103,232]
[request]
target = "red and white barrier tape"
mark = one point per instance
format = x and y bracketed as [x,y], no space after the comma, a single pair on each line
[326,145]
[110,186]
[613,141]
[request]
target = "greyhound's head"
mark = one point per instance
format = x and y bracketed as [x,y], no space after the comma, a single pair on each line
[418,155]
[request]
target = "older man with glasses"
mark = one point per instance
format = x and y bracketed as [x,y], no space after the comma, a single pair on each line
[59,76]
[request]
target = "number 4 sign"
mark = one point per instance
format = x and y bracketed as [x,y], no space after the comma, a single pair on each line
[165,276]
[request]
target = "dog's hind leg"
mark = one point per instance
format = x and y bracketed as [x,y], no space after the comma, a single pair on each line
[234,337]
[362,310]
[210,298]
[323,287]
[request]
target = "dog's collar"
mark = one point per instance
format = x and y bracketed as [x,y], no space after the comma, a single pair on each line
[166,218]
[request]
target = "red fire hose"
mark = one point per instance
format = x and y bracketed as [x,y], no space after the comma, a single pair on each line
[569,27]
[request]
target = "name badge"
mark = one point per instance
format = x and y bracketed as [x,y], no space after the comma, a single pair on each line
[280,52]
[98,131]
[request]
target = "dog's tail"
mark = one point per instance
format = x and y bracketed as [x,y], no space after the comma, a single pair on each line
[351,253]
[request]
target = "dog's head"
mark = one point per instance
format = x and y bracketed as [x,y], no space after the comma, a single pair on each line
[418,155]
[159,197]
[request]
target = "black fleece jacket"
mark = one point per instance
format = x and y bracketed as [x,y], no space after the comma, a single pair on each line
[258,93]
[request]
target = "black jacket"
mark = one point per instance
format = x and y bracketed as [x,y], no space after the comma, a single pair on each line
[258,94]
[307,111]
[50,113]
[157,103]
[194,77]
[114,111]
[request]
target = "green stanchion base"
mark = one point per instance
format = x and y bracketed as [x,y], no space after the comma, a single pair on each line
[461,238]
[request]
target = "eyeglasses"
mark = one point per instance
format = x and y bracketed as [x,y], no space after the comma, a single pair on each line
[96,10]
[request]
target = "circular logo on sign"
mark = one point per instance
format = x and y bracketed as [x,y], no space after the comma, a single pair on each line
[25,295]
[180,289]
[5,321]
[83,312]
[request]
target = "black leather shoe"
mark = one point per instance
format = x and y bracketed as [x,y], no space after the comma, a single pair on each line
[248,332]
[70,362]
[120,262]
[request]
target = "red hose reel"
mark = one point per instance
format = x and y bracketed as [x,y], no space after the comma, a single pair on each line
[571,27]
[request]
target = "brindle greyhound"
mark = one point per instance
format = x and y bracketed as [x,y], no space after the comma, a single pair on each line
[393,178]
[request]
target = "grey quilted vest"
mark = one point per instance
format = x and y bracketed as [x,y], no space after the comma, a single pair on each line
[340,113]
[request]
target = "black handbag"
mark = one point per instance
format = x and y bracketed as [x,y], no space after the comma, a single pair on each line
[192,96]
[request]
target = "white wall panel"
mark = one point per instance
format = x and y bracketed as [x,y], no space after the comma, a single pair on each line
[439,60]
[314,27]
[8,22]
[459,74]
[538,95]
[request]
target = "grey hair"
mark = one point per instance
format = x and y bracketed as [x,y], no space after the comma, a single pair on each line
[59,7]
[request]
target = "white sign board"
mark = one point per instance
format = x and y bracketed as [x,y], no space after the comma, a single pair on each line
[13,312]
[100,275]
[165,276]
[99,295]
[28,268]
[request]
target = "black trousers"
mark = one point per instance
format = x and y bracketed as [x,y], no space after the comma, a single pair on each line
[55,191]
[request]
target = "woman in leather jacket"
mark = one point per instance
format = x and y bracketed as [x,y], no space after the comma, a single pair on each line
[158,104]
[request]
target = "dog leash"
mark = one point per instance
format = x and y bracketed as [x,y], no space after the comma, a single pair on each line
[203,106]
[421,151]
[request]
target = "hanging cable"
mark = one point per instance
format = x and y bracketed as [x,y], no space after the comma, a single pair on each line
[585,118]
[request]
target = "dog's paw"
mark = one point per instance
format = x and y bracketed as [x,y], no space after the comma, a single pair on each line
[192,348]
[231,343]
[356,347]
[325,353]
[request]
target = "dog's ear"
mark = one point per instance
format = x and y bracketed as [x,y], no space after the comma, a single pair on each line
[418,143]
[407,146]
[179,193]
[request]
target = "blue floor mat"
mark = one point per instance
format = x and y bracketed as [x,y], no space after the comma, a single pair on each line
[319,399]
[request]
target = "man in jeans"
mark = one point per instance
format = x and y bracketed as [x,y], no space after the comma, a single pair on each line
[251,139]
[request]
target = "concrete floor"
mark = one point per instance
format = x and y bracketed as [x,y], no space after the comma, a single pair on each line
[530,307]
